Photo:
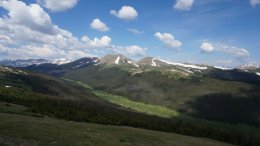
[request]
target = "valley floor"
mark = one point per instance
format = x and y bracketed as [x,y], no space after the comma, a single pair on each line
[20,127]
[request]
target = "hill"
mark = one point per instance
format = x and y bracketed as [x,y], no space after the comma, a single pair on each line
[17,129]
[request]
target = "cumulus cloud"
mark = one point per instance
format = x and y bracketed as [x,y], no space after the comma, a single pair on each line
[133,50]
[168,39]
[236,52]
[136,50]
[103,42]
[27,31]
[31,15]
[135,31]
[58,5]
[183,4]
[41,51]
[125,13]
[206,47]
[5,40]
[230,50]
[99,25]
[254,2]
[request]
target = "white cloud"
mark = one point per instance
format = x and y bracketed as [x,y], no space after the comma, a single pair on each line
[31,15]
[27,31]
[168,39]
[254,2]
[99,25]
[58,5]
[32,51]
[236,52]
[230,50]
[183,4]
[125,13]
[135,50]
[135,31]
[103,42]
[206,47]
[41,51]
[5,40]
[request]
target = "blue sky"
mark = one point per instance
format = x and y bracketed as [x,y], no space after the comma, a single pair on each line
[217,32]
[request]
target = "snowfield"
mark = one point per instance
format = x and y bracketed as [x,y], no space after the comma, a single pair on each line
[222,68]
[185,65]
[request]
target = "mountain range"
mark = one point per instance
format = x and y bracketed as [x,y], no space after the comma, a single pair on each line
[122,60]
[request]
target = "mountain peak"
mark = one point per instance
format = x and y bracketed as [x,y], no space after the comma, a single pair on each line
[151,61]
[117,60]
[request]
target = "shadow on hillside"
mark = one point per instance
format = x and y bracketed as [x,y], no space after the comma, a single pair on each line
[235,75]
[227,108]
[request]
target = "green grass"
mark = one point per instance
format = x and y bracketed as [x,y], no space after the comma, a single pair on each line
[138,106]
[133,105]
[27,130]
[17,109]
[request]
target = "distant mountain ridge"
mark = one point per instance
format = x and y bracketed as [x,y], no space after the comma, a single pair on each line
[121,60]
[23,63]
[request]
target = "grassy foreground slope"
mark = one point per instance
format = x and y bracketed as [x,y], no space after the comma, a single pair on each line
[28,130]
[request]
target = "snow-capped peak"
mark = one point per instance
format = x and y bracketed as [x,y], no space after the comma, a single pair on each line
[117,60]
[83,62]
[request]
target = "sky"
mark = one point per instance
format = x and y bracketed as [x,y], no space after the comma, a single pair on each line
[216,32]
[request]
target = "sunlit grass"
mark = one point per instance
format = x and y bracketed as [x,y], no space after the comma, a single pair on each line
[138,106]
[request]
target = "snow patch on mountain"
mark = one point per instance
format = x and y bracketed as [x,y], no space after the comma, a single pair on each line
[248,67]
[222,68]
[258,73]
[153,63]
[117,60]
[12,70]
[81,64]
[61,61]
[131,62]
[185,65]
